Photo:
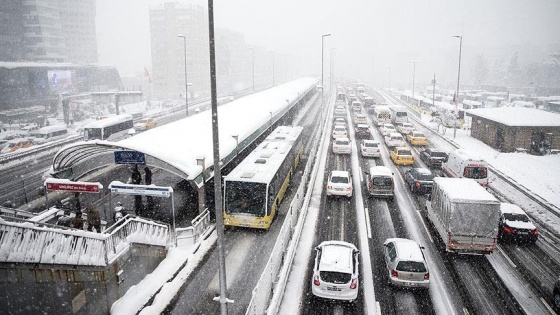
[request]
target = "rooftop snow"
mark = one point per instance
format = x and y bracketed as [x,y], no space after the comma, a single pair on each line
[518,116]
[463,189]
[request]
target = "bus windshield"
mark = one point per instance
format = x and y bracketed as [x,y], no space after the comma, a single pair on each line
[245,197]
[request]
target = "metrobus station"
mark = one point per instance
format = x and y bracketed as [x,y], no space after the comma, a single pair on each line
[88,268]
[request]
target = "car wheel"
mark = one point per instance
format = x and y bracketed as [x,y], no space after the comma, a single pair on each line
[557,300]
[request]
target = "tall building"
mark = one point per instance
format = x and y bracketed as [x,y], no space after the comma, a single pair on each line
[168,50]
[48,31]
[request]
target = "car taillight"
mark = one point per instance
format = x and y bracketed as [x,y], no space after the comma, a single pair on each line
[316,280]
[349,188]
[329,187]
[394,273]
[354,284]
[509,230]
[427,276]
[417,185]
[534,232]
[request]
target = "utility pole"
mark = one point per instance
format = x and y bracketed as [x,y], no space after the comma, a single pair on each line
[457,93]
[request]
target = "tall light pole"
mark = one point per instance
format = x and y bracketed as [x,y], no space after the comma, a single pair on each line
[413,75]
[217,170]
[332,67]
[322,61]
[253,66]
[186,82]
[458,76]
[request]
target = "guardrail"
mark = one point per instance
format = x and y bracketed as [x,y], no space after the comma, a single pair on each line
[550,208]
[272,282]
[200,225]
[23,241]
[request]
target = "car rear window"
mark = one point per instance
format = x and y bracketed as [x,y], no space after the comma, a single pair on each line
[335,277]
[516,217]
[370,144]
[339,179]
[342,142]
[425,177]
[439,154]
[411,266]
[382,181]
[404,152]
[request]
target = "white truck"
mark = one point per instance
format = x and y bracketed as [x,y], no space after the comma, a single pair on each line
[464,215]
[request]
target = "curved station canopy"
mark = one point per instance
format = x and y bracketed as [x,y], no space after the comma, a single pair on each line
[177,146]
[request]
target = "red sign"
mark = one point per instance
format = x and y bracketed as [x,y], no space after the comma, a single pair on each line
[75,187]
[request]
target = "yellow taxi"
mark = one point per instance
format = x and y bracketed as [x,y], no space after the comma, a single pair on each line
[416,138]
[402,156]
[145,124]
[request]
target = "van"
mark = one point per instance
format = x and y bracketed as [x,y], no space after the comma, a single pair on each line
[380,182]
[463,164]
[50,133]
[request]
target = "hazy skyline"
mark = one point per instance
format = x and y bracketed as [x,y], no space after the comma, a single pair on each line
[369,36]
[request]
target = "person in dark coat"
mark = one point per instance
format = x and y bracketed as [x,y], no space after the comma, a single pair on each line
[93,219]
[77,222]
[150,200]
[137,180]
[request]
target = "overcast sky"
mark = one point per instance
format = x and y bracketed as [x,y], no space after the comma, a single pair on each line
[369,37]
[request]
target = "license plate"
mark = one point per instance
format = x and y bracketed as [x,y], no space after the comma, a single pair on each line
[333,289]
[523,233]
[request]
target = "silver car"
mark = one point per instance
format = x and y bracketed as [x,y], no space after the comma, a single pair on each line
[406,265]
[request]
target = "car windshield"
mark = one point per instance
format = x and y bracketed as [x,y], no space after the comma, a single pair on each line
[475,172]
[438,154]
[516,217]
[419,135]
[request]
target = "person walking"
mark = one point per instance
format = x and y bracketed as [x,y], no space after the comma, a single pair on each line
[137,180]
[93,219]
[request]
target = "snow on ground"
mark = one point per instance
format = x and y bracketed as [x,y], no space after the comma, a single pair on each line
[538,174]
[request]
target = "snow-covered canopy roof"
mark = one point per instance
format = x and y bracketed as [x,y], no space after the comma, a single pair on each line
[518,116]
[182,142]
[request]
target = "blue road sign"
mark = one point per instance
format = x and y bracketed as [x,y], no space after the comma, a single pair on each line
[130,157]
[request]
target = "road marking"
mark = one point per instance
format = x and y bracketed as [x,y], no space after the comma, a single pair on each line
[465,311]
[338,310]
[368,225]
[548,306]
[377,307]
[506,256]
[424,224]
[361,177]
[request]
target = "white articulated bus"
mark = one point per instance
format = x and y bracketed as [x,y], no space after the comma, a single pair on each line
[112,128]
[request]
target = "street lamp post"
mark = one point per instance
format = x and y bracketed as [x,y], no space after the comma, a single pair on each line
[389,78]
[413,75]
[458,76]
[322,61]
[332,67]
[253,66]
[186,81]
[217,170]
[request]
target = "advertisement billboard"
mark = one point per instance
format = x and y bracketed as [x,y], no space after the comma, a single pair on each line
[60,80]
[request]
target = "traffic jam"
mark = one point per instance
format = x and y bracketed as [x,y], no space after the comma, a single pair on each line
[453,212]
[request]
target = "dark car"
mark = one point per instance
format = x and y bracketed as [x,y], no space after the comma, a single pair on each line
[419,180]
[362,131]
[556,294]
[433,158]
[515,225]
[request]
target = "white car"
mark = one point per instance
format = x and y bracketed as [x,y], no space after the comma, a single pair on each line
[405,262]
[339,183]
[339,121]
[394,139]
[339,132]
[386,129]
[342,146]
[336,271]
[360,119]
[339,111]
[405,128]
[370,148]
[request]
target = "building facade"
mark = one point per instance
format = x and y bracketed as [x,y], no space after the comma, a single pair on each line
[510,129]
[48,31]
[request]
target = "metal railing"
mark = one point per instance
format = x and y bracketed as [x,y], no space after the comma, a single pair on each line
[200,225]
[25,241]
